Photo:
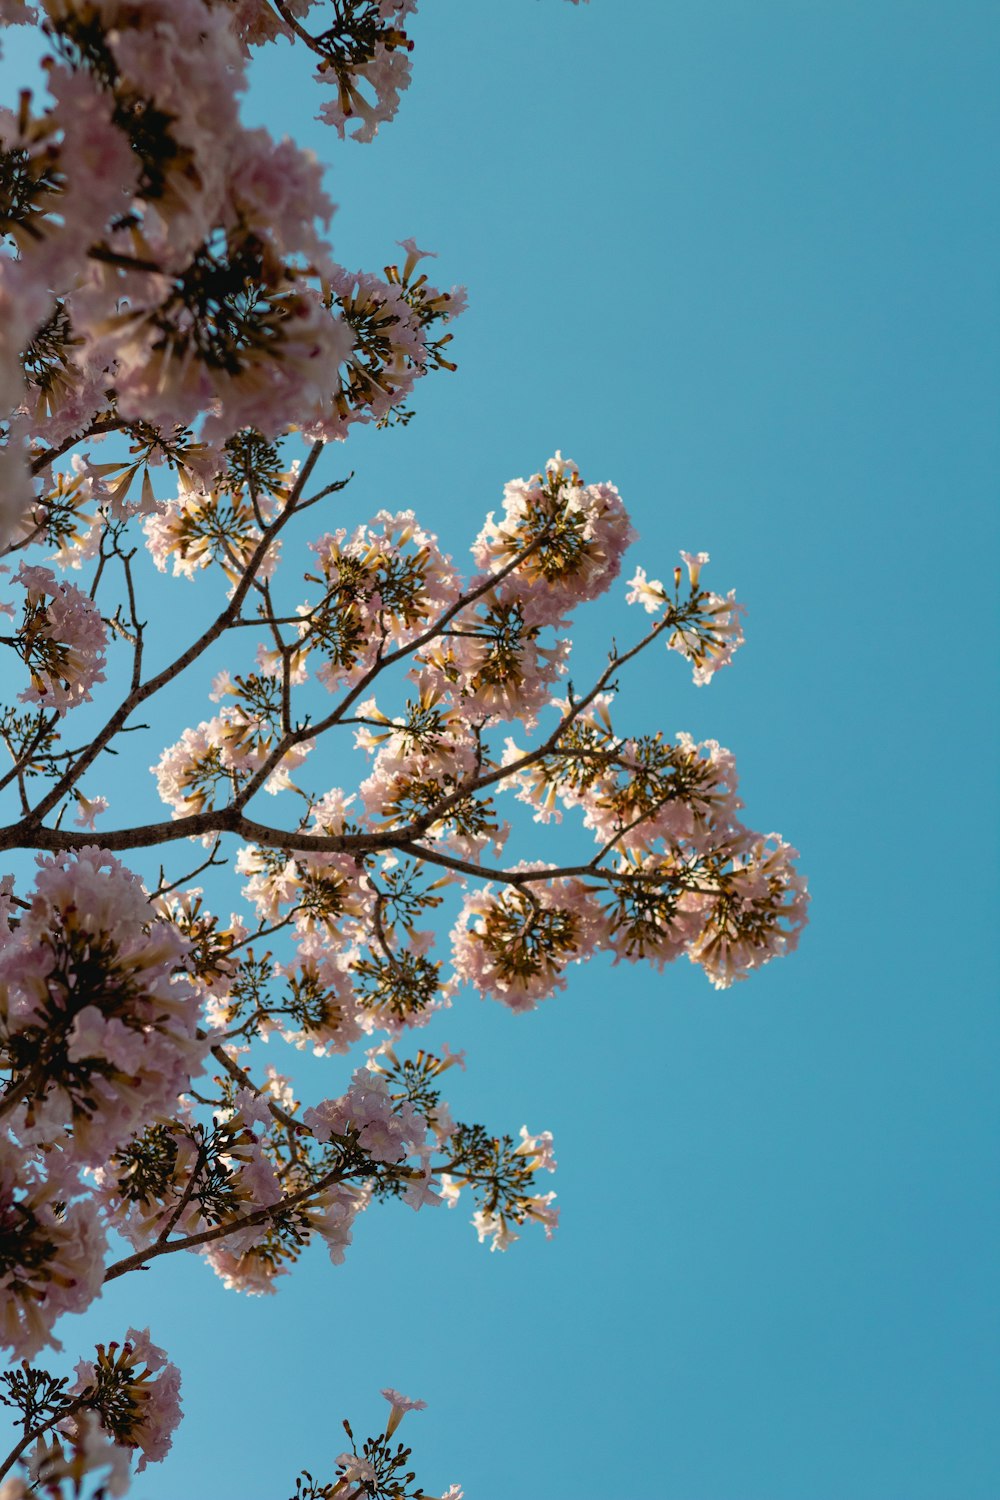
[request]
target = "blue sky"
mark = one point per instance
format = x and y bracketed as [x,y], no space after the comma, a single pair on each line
[740,259]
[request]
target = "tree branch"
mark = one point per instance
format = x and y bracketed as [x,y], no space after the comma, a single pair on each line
[222,1231]
[206,639]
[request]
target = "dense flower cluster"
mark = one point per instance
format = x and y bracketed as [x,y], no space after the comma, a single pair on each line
[136,1394]
[96,1015]
[567,539]
[380,591]
[61,640]
[168,269]
[51,1251]
[515,943]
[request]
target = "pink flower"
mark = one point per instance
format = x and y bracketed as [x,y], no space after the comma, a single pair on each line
[279,186]
[400,1406]
[652,793]
[706,628]
[712,642]
[151,1410]
[252,1273]
[538,1148]
[758,914]
[381,590]
[90,808]
[53,1255]
[514,946]
[578,532]
[695,562]
[369,93]
[62,641]
[413,256]
[90,963]
[494,1227]
[499,659]
[79,1447]
[386,1133]
[100,173]
[404,1403]
[251,1109]
[14,1488]
[237,742]
[421,1192]
[649,592]
[333,1216]
[356,1470]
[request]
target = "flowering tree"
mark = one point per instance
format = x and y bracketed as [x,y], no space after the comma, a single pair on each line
[166,290]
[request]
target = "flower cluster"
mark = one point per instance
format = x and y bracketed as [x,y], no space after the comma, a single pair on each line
[368,67]
[706,628]
[205,527]
[111,1001]
[394,341]
[226,750]
[61,640]
[97,1017]
[516,943]
[135,1391]
[169,270]
[377,1468]
[51,1250]
[504,1173]
[380,590]
[680,871]
[559,543]
[565,539]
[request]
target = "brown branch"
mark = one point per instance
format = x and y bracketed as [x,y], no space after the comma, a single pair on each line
[222,1231]
[206,864]
[313,731]
[532,757]
[17,773]
[97,429]
[46,1426]
[198,647]
[108,257]
[235,1072]
[17,770]
[299,30]
[185,1197]
[29,833]
[484,872]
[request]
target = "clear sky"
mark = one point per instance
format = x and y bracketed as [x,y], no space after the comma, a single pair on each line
[738,257]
